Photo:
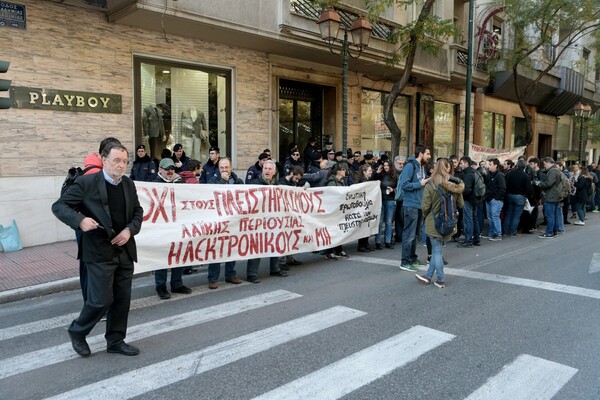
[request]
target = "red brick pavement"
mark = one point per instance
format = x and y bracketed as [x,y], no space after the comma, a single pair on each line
[38,264]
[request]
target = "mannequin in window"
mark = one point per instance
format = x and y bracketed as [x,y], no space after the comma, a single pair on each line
[194,134]
[153,129]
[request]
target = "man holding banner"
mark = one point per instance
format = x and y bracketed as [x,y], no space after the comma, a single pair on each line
[226,177]
[267,177]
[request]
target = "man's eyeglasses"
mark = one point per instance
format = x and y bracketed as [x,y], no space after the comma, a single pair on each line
[118,161]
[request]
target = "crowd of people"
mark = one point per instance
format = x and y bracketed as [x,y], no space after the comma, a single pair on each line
[414,191]
[506,194]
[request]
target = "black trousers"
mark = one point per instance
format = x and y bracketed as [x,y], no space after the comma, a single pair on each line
[108,288]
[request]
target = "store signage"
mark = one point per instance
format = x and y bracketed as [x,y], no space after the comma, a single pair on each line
[12,15]
[63,100]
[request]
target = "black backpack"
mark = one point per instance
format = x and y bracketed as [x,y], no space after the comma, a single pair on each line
[447,217]
[72,174]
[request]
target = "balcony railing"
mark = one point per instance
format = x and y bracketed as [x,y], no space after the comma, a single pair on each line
[309,10]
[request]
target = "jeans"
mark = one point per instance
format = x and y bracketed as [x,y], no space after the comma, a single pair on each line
[388,208]
[254,264]
[470,222]
[481,208]
[597,199]
[553,214]
[494,207]
[514,209]
[579,208]
[436,263]
[160,277]
[399,220]
[412,225]
[214,271]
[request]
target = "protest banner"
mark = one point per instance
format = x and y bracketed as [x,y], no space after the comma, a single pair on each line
[479,153]
[187,225]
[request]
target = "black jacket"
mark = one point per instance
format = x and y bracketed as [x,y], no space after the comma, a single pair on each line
[88,195]
[495,186]
[518,182]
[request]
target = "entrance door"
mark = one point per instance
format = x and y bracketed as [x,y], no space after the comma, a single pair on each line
[544,145]
[300,115]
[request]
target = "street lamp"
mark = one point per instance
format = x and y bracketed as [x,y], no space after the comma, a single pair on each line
[583,112]
[329,25]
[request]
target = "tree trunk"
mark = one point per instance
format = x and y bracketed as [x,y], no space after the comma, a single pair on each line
[399,85]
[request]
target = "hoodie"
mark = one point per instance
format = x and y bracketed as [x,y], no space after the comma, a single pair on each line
[410,183]
[92,160]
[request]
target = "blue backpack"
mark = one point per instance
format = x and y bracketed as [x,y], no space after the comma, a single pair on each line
[447,217]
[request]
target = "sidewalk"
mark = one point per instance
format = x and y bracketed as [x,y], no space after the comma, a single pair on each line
[38,270]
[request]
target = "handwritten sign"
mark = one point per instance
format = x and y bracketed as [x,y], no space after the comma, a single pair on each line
[198,224]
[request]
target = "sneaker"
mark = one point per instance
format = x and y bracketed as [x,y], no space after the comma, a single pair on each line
[546,236]
[595,211]
[331,256]
[495,239]
[423,279]
[378,246]
[477,243]
[581,223]
[182,289]
[342,254]
[439,284]
[417,263]
[163,293]
[408,267]
[465,245]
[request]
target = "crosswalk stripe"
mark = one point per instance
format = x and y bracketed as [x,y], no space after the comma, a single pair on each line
[167,372]
[62,320]
[595,263]
[361,368]
[553,287]
[52,355]
[525,378]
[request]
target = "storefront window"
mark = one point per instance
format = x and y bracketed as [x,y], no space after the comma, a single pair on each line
[493,130]
[184,104]
[375,135]
[444,134]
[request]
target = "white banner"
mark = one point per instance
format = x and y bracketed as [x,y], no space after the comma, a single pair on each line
[479,153]
[199,224]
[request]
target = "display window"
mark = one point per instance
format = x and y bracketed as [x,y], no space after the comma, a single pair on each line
[375,135]
[493,130]
[179,103]
[438,127]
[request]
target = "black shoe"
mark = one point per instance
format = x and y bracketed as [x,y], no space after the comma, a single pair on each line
[253,279]
[389,246]
[466,245]
[284,267]
[182,289]
[295,262]
[123,348]
[567,223]
[378,246]
[80,346]
[363,250]
[369,248]
[476,243]
[282,274]
[398,239]
[163,293]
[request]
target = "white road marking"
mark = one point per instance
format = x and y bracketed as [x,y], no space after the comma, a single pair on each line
[64,320]
[467,273]
[525,378]
[152,377]
[361,368]
[53,355]
[595,263]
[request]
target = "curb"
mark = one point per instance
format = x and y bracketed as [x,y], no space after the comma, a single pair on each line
[29,292]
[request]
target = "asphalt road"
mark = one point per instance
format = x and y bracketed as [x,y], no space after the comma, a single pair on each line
[518,320]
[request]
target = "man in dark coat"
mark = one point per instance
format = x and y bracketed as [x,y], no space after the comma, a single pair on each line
[105,207]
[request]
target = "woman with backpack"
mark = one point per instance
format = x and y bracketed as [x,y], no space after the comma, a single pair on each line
[435,193]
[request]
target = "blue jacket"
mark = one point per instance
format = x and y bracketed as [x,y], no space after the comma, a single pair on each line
[410,183]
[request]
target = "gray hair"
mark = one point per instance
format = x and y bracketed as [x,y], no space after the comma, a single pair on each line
[399,158]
